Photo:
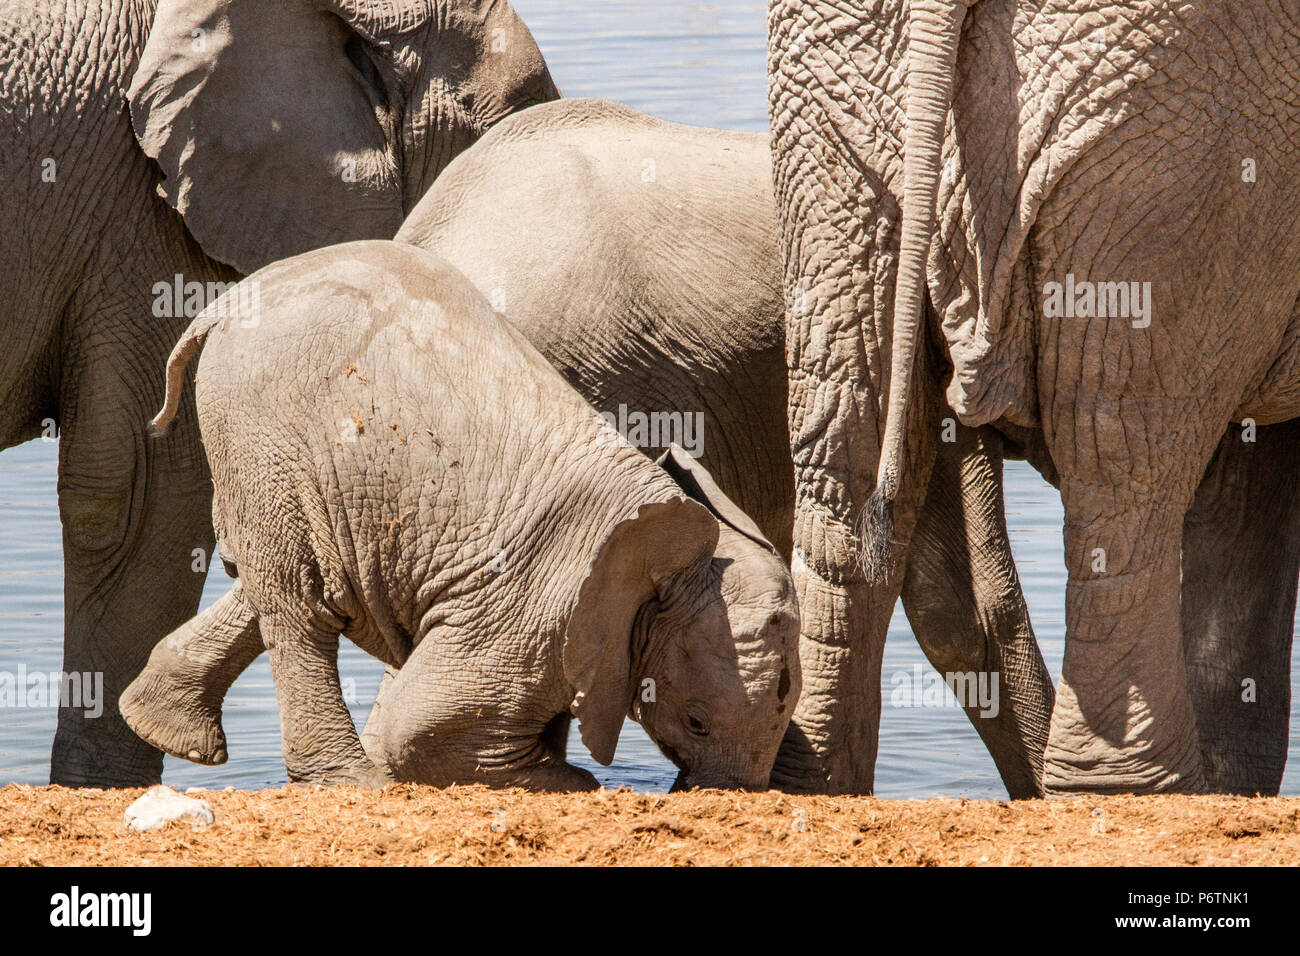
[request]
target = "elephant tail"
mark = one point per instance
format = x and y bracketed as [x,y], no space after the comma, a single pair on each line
[187,349]
[934,32]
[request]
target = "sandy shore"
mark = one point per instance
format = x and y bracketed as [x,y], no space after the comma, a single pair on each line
[475,826]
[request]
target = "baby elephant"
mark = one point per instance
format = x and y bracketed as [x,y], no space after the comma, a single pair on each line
[392,461]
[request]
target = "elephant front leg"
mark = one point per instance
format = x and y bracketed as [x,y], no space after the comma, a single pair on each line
[372,735]
[1123,720]
[137,534]
[1241,558]
[963,598]
[175,703]
[439,720]
[318,735]
[553,773]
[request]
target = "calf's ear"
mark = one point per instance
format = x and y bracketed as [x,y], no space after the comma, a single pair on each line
[631,566]
[696,481]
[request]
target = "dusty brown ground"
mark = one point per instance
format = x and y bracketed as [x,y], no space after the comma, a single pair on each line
[473,825]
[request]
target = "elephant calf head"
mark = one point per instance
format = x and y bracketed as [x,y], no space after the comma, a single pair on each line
[285,126]
[711,666]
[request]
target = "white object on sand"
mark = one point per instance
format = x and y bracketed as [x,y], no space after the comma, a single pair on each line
[160,805]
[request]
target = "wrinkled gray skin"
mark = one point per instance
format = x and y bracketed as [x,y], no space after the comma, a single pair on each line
[422,481]
[260,148]
[641,258]
[1241,559]
[1051,173]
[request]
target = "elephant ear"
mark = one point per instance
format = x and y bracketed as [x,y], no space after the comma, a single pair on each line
[269,121]
[631,567]
[696,481]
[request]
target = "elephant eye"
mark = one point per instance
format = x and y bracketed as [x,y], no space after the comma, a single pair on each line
[697,726]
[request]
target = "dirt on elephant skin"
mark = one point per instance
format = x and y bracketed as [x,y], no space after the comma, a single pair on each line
[403,824]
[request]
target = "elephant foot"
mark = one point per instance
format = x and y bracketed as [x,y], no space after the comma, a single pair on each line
[789,780]
[553,776]
[1099,768]
[106,756]
[1248,782]
[1067,780]
[170,715]
[1080,761]
[1242,759]
[175,703]
[368,776]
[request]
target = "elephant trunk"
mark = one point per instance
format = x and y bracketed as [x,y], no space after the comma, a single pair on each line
[190,345]
[934,31]
[686,780]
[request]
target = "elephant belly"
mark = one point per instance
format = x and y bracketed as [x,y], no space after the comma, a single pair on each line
[1277,398]
[26,394]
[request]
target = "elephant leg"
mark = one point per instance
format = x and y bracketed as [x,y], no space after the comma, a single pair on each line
[1241,559]
[175,703]
[317,731]
[372,735]
[963,598]
[840,230]
[553,777]
[1123,719]
[137,531]
[439,720]
[554,774]
[831,743]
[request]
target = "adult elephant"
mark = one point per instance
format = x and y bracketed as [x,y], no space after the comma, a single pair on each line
[641,258]
[153,149]
[998,160]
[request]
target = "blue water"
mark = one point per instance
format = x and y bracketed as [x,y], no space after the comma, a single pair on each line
[700,63]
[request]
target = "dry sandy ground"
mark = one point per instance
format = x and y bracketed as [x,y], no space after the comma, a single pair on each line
[473,825]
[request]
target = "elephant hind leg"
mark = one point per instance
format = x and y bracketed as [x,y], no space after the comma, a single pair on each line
[1123,720]
[963,598]
[175,703]
[1241,559]
[318,736]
